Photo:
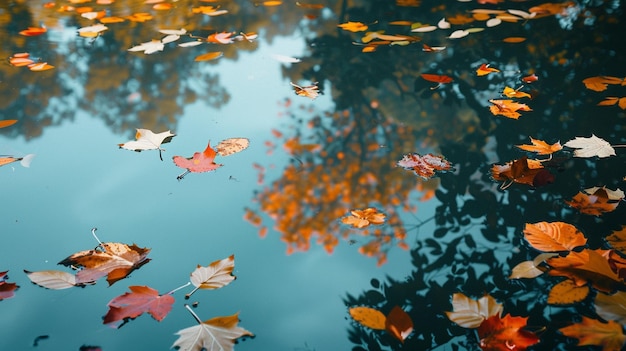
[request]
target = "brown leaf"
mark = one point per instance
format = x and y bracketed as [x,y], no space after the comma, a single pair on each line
[553,236]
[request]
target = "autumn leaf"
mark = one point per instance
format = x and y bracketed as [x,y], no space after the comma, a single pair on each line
[617,239]
[515,93]
[7,290]
[7,122]
[198,163]
[92,31]
[219,333]
[24,161]
[484,70]
[214,276]
[141,299]
[567,293]
[114,260]
[594,332]
[507,108]
[609,101]
[529,78]
[33,31]
[231,146]
[139,17]
[590,147]
[596,201]
[600,83]
[553,236]
[55,280]
[611,307]
[397,323]
[21,59]
[514,40]
[523,171]
[470,313]
[505,334]
[541,147]
[148,140]
[425,166]
[363,218]
[525,269]
[221,38]
[149,47]
[209,56]
[586,266]
[310,91]
[368,317]
[436,78]
[353,26]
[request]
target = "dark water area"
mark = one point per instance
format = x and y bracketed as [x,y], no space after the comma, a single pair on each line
[336,240]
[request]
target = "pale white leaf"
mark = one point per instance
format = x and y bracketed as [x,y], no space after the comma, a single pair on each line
[492,22]
[217,334]
[458,34]
[26,160]
[170,38]
[96,28]
[147,140]
[590,147]
[443,24]
[526,269]
[181,31]
[215,275]
[149,47]
[475,30]
[189,44]
[52,279]
[487,11]
[522,14]
[285,59]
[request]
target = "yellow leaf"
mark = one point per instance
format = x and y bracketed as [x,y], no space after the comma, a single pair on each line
[600,83]
[526,269]
[553,236]
[514,93]
[368,317]
[353,26]
[513,40]
[484,69]
[567,292]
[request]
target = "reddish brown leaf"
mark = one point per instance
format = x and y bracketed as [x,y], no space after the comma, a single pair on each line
[505,334]
[436,78]
[32,31]
[114,260]
[141,299]
[425,166]
[586,266]
[7,290]
[398,323]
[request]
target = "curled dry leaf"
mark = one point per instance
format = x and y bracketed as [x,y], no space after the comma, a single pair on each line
[310,91]
[55,280]
[148,140]
[523,171]
[470,313]
[497,333]
[231,146]
[515,93]
[507,108]
[114,260]
[525,269]
[596,201]
[363,218]
[425,166]
[214,276]
[553,236]
[353,26]
[484,70]
[219,333]
[587,266]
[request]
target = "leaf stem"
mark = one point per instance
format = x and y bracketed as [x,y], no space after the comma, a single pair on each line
[180,287]
[191,293]
[195,316]
[619,145]
[93,232]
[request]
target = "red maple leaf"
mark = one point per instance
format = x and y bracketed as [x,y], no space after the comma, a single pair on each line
[7,290]
[505,334]
[199,162]
[140,300]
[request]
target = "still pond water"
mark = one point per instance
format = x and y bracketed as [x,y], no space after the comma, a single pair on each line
[278,205]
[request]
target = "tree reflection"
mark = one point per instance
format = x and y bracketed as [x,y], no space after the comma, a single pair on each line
[478,237]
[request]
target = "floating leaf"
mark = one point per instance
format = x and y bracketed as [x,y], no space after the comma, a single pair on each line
[33,31]
[526,269]
[470,313]
[567,292]
[541,147]
[148,140]
[198,163]
[368,317]
[594,332]
[553,236]
[600,83]
[214,276]
[457,34]
[611,307]
[7,290]
[609,101]
[141,299]
[590,147]
[363,218]
[514,40]
[596,201]
[497,333]
[209,56]
[218,333]
[484,69]
[149,47]
[425,166]
[515,93]
[55,280]
[398,323]
[353,26]
[7,122]
[310,91]
[231,146]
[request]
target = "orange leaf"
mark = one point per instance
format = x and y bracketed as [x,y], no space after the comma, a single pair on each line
[32,31]
[425,166]
[363,218]
[514,93]
[513,40]
[617,239]
[353,26]
[484,69]
[507,108]
[530,79]
[586,266]
[553,236]
[209,56]
[567,292]
[593,332]
[368,317]
[600,83]
[596,201]
[541,147]
[436,78]
[42,66]
[399,323]
[7,122]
